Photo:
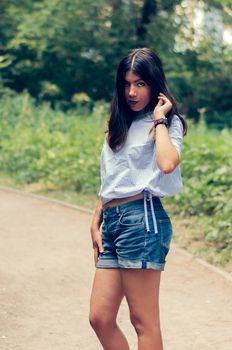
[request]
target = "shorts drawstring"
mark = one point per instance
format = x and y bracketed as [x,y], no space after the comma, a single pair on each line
[148,197]
[145,211]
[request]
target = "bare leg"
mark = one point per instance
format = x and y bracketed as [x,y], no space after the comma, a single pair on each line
[106,298]
[141,288]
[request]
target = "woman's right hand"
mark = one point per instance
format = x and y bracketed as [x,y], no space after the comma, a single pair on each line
[97,242]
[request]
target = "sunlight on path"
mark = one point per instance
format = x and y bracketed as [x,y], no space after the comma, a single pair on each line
[46,272]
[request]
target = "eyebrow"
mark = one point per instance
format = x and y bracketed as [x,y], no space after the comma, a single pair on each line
[136,81]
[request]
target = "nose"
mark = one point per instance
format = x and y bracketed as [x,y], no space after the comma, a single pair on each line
[132,91]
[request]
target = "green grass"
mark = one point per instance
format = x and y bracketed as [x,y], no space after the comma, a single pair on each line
[57,154]
[207,194]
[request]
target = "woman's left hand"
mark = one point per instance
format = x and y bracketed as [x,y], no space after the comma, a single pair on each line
[163,106]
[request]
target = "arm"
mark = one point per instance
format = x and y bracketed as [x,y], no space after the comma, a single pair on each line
[95,231]
[167,156]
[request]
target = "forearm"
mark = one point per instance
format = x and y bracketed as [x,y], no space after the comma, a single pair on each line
[167,156]
[97,217]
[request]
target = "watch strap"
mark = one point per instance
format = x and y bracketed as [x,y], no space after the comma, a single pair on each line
[161,121]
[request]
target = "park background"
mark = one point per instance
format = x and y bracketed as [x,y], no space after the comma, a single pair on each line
[57,67]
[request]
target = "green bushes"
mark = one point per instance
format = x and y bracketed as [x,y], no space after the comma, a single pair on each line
[56,149]
[38,144]
[207,194]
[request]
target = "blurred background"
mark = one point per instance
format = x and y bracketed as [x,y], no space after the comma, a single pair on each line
[57,68]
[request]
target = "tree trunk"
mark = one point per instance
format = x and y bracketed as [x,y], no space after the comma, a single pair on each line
[149,10]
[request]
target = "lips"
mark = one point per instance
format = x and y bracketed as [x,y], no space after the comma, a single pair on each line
[132,103]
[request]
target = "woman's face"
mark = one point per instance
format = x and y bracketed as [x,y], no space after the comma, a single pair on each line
[137,92]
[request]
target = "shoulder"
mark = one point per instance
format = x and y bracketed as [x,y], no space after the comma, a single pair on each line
[176,124]
[176,120]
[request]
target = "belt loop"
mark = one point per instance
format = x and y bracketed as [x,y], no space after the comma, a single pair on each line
[117,209]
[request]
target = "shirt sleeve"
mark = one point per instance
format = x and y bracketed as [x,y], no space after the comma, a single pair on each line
[176,133]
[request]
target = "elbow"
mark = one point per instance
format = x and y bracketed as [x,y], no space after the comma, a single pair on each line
[168,167]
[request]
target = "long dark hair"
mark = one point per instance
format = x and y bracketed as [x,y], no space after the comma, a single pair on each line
[148,66]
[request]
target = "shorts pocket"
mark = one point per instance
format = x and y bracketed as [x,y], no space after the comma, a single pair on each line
[131,219]
[166,232]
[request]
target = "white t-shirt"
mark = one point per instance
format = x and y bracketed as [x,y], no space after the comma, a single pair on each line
[133,168]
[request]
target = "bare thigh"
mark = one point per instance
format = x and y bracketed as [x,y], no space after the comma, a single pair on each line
[141,288]
[106,297]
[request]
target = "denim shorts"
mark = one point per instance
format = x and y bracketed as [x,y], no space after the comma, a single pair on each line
[135,235]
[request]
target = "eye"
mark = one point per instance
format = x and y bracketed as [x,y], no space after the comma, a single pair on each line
[140,84]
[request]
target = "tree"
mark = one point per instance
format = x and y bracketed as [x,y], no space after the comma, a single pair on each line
[58,48]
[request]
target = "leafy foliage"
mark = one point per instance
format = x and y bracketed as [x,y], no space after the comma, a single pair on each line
[40,145]
[206,166]
[56,49]
[62,151]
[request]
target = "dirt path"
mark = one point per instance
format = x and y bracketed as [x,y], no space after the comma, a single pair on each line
[46,272]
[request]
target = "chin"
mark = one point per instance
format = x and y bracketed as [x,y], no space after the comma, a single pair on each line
[139,110]
[136,109]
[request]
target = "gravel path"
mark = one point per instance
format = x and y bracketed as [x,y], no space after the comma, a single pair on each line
[46,271]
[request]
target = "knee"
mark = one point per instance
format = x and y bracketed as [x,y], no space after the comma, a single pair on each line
[143,325]
[99,321]
[137,323]
[94,320]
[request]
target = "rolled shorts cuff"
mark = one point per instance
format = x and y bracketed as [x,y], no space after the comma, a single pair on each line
[138,264]
[107,264]
[129,264]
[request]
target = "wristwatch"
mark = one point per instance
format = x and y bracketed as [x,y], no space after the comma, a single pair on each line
[161,121]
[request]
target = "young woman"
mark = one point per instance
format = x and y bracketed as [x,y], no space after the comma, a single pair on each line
[131,232]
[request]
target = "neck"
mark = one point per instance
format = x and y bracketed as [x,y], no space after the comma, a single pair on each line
[141,114]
